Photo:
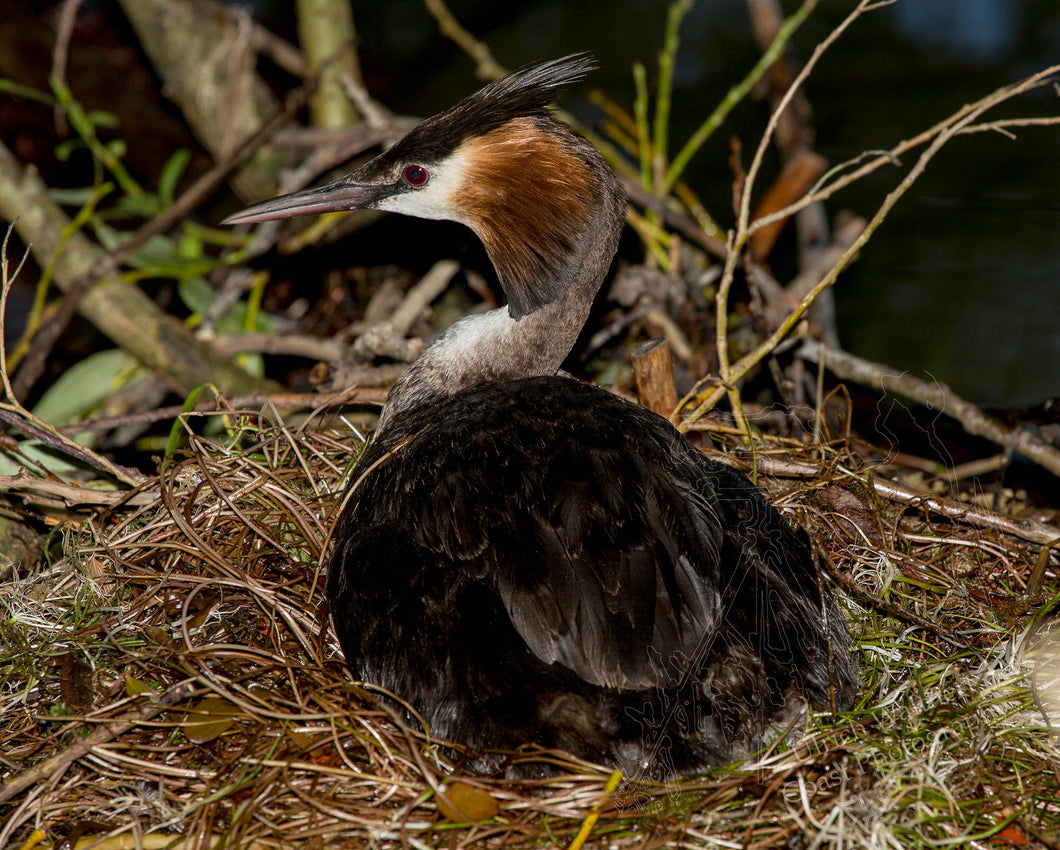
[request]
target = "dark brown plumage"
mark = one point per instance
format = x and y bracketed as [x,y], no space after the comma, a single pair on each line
[527,559]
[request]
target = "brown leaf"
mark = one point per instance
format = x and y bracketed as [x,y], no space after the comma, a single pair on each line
[75,682]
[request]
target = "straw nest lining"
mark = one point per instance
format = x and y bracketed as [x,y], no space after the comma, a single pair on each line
[183,646]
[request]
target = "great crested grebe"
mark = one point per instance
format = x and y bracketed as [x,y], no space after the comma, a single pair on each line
[525,558]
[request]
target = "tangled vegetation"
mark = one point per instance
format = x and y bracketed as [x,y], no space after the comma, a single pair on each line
[168,677]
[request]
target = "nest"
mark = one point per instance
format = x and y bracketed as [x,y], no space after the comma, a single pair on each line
[172,681]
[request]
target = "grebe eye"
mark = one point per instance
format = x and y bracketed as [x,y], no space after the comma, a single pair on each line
[415,175]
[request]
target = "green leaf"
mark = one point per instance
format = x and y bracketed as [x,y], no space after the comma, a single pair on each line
[86,385]
[144,206]
[159,254]
[172,171]
[189,245]
[102,118]
[196,293]
[19,90]
[73,197]
[136,686]
[63,150]
[177,428]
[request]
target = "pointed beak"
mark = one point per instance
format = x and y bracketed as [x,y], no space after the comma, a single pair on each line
[339,196]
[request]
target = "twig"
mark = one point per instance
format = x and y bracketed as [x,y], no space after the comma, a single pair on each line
[375,115]
[684,225]
[737,93]
[825,190]
[311,347]
[71,494]
[738,239]
[279,50]
[64,33]
[939,397]
[7,277]
[54,767]
[487,68]
[31,426]
[33,365]
[283,400]
[429,287]
[1025,529]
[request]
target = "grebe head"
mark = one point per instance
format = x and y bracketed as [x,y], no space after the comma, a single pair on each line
[497,162]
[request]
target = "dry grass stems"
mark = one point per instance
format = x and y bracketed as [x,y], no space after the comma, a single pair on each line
[171,682]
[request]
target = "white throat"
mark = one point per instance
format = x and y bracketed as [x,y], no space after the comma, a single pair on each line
[487,347]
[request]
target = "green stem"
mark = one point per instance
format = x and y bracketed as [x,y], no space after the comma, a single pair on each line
[640,117]
[83,124]
[735,95]
[678,10]
[40,297]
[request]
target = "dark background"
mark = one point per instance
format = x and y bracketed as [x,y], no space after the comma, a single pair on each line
[962,283]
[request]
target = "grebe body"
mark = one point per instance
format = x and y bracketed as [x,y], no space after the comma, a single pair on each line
[524,558]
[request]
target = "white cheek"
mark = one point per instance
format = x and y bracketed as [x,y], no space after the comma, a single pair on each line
[434,200]
[422,203]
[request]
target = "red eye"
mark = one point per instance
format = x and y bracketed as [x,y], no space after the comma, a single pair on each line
[415,175]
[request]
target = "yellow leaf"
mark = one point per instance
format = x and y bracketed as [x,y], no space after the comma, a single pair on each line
[465,803]
[136,686]
[210,719]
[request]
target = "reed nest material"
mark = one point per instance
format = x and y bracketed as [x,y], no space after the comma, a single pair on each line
[172,681]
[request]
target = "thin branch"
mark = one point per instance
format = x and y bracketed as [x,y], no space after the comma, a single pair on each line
[962,512]
[487,68]
[284,400]
[63,35]
[54,767]
[949,129]
[737,94]
[825,190]
[939,397]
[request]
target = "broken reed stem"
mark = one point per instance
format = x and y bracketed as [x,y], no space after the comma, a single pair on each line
[738,239]
[653,372]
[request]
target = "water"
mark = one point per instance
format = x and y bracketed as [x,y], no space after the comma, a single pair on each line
[962,283]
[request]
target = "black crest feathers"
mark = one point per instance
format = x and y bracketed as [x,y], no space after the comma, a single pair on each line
[522,93]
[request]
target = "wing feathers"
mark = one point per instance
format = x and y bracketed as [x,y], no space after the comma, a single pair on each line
[616,548]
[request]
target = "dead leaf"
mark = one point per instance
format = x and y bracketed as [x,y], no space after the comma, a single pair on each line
[210,719]
[463,803]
